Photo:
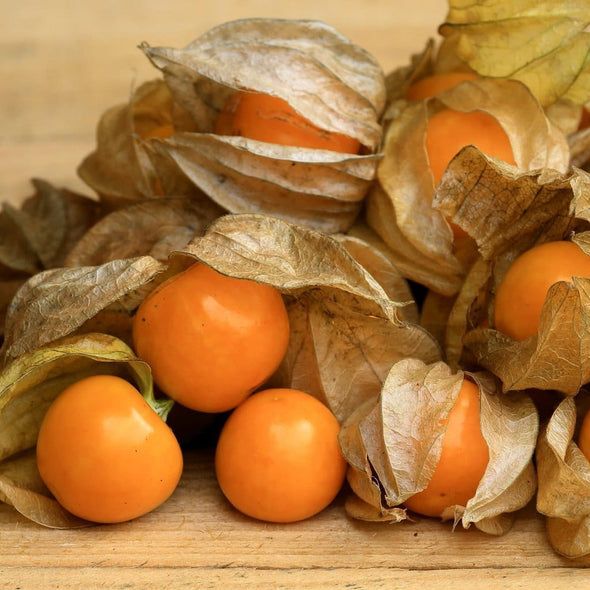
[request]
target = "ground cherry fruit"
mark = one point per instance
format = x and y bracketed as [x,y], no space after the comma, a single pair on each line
[210,339]
[448,131]
[274,120]
[432,85]
[278,458]
[105,454]
[523,288]
[463,459]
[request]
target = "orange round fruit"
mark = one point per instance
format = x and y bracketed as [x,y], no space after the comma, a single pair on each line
[463,460]
[105,454]
[449,131]
[523,288]
[432,85]
[272,119]
[211,339]
[278,458]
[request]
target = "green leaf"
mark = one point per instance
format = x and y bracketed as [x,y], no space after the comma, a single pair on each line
[542,44]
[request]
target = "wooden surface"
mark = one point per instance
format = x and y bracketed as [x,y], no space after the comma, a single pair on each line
[62,63]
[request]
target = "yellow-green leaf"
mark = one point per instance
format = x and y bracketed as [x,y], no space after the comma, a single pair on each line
[543,44]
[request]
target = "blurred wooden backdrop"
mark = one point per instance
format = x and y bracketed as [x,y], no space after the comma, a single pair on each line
[62,63]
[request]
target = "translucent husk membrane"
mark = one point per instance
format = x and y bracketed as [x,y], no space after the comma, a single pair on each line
[564,479]
[393,444]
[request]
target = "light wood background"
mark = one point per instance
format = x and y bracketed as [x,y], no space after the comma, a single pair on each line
[62,63]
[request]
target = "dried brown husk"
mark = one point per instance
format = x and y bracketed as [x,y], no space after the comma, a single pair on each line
[55,303]
[124,167]
[28,386]
[520,210]
[544,45]
[540,361]
[38,234]
[564,482]
[153,227]
[324,76]
[412,216]
[346,330]
[393,445]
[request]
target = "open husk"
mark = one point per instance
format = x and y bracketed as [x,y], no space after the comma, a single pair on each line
[324,76]
[520,210]
[28,386]
[538,362]
[393,444]
[412,215]
[564,481]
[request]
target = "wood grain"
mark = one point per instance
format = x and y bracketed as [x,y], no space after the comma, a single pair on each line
[197,535]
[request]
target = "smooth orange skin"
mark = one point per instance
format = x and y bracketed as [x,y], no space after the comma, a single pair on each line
[104,453]
[463,459]
[210,339]
[272,119]
[278,458]
[523,289]
[584,436]
[448,131]
[430,86]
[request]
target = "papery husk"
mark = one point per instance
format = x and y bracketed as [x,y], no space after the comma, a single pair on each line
[324,76]
[371,253]
[545,45]
[406,210]
[558,210]
[345,329]
[154,227]
[55,303]
[521,210]
[580,148]
[394,445]
[39,233]
[123,167]
[28,386]
[564,483]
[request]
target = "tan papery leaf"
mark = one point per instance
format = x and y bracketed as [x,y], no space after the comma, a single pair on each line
[564,483]
[318,188]
[21,487]
[154,227]
[38,234]
[54,303]
[122,168]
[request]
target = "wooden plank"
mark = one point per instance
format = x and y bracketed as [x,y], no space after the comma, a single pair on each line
[230,578]
[197,528]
